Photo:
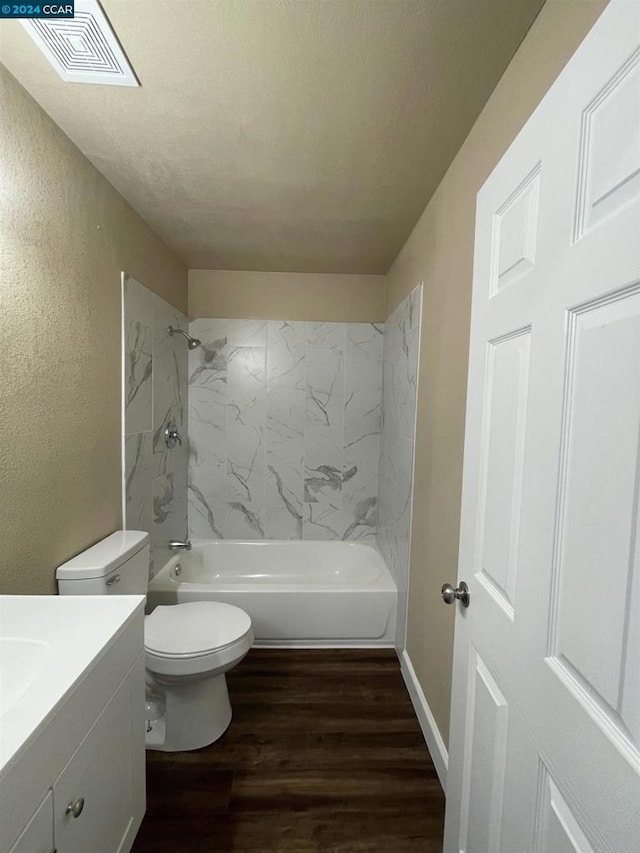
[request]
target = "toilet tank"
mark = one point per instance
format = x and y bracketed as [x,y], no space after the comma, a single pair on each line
[118,565]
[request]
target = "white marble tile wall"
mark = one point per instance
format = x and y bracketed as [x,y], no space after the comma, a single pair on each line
[284,422]
[155,396]
[395,483]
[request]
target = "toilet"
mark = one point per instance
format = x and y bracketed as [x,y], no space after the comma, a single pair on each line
[188,647]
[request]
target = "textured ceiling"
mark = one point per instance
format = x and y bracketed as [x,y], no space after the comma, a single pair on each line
[299,135]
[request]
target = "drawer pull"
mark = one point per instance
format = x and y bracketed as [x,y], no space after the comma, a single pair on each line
[75,809]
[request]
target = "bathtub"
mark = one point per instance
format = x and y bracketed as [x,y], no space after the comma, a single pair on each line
[299,594]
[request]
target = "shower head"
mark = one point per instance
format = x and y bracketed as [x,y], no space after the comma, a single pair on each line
[192,343]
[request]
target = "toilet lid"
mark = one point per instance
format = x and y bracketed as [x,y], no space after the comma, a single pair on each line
[194,628]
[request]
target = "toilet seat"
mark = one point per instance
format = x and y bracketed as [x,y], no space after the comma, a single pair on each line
[193,629]
[196,637]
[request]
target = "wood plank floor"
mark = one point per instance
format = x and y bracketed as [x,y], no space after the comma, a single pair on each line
[324,753]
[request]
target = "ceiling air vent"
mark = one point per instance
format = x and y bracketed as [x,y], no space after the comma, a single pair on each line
[83,49]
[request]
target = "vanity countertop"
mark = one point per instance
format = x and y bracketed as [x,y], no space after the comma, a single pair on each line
[47,645]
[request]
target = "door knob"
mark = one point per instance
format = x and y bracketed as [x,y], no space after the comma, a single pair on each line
[461,593]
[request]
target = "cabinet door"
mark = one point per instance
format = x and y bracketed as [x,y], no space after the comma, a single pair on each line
[99,798]
[38,834]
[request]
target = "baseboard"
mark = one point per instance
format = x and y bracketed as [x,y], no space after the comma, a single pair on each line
[324,644]
[426,719]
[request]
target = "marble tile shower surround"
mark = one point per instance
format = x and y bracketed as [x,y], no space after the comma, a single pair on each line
[395,484]
[284,421]
[154,396]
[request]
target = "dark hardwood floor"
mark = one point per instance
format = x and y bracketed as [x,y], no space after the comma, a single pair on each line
[324,753]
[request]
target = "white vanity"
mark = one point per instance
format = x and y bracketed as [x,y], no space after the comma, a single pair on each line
[72,738]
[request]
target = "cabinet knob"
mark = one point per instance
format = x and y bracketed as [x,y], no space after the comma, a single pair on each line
[75,809]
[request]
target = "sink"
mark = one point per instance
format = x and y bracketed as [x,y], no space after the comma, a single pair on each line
[21,660]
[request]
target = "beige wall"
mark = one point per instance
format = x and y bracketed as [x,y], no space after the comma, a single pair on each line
[65,236]
[287,296]
[440,253]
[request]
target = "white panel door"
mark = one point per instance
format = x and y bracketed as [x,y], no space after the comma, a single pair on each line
[545,728]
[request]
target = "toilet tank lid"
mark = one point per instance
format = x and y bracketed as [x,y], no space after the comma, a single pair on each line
[103,557]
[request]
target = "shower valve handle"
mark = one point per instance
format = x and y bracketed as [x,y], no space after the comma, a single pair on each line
[172,437]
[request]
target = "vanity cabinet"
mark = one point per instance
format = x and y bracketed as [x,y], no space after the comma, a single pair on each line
[77,784]
[97,802]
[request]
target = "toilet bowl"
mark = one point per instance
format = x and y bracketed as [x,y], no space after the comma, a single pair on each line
[188,647]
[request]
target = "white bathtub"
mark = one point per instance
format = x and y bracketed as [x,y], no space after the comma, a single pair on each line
[297,593]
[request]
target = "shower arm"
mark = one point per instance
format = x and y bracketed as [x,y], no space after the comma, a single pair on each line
[193,342]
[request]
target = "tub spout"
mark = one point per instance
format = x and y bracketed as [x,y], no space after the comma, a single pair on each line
[176,545]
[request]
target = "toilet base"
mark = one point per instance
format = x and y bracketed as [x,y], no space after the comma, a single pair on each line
[196,713]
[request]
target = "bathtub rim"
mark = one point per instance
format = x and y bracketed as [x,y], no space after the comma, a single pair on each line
[265,589]
[384,583]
